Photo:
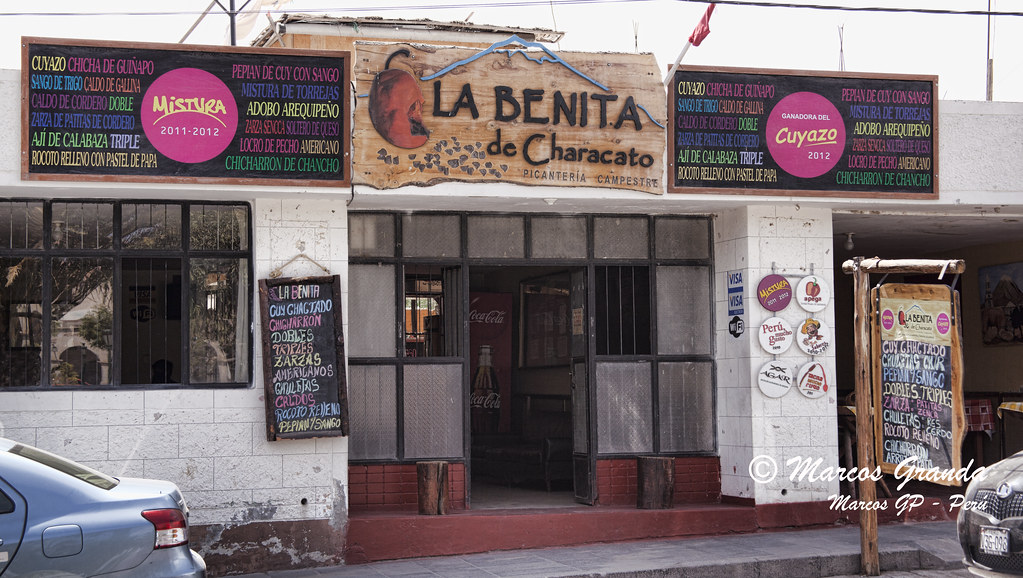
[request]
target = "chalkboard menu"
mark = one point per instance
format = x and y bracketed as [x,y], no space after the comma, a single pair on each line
[306,390]
[806,133]
[153,112]
[918,396]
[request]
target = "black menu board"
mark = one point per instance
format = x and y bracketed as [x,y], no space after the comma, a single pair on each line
[304,379]
[167,113]
[918,397]
[803,133]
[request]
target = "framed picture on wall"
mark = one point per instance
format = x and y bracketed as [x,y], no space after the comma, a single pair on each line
[546,322]
[1001,303]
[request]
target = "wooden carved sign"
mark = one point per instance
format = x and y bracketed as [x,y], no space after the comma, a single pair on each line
[426,115]
[918,391]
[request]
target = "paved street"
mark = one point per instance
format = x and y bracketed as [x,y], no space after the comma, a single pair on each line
[920,550]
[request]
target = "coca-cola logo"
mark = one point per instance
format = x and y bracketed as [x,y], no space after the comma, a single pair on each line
[491,400]
[495,316]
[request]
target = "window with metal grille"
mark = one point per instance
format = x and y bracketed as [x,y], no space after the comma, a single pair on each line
[111,293]
[623,310]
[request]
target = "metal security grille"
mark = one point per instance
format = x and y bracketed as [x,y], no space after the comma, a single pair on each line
[624,408]
[433,411]
[1013,563]
[1001,508]
[623,310]
[374,411]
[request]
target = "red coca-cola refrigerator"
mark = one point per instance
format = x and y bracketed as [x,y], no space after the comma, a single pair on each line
[490,351]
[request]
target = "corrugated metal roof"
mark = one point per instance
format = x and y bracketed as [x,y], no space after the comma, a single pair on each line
[531,34]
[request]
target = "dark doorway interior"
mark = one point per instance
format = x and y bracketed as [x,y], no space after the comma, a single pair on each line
[520,389]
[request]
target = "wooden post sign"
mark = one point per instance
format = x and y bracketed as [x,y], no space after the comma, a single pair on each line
[306,390]
[116,111]
[515,112]
[918,393]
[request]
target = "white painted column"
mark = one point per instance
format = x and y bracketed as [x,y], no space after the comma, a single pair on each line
[755,241]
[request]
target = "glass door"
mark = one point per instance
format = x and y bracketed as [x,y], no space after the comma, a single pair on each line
[584,461]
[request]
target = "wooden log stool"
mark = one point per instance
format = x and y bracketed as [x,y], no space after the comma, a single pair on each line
[655,482]
[432,482]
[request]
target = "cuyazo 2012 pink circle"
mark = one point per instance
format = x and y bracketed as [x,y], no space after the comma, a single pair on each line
[189,115]
[805,134]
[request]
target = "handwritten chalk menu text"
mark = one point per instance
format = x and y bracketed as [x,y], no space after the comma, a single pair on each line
[803,133]
[152,112]
[303,357]
[918,396]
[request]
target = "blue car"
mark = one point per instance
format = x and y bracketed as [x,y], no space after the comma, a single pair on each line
[59,518]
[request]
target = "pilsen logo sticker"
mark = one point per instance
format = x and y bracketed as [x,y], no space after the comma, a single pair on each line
[774,292]
[812,294]
[814,380]
[776,377]
[189,115]
[775,335]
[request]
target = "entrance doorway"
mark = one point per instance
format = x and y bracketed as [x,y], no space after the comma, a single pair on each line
[521,407]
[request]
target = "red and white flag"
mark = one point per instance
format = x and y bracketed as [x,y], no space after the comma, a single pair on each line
[702,29]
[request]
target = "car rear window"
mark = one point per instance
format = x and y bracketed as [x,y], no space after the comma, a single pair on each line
[84,473]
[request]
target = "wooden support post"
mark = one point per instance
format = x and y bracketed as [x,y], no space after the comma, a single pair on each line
[870,562]
[861,269]
[432,481]
[655,483]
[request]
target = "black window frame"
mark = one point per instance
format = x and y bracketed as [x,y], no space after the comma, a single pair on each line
[47,253]
[647,353]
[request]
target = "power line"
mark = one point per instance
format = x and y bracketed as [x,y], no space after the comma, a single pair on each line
[543,3]
[860,8]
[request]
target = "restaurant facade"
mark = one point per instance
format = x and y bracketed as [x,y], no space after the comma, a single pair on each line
[551,271]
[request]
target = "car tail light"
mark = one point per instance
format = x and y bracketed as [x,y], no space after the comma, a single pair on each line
[171,527]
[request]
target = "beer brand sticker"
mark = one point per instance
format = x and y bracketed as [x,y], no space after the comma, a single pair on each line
[776,377]
[813,380]
[813,337]
[887,319]
[774,292]
[775,335]
[812,293]
[943,324]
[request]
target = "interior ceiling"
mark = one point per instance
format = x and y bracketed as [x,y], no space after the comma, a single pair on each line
[904,236]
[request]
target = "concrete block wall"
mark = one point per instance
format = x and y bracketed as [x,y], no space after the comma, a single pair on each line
[757,240]
[210,442]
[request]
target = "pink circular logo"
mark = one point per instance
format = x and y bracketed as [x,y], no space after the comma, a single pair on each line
[943,324]
[774,292]
[805,135]
[887,319]
[189,115]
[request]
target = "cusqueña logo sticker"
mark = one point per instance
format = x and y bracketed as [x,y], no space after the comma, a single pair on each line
[805,135]
[189,115]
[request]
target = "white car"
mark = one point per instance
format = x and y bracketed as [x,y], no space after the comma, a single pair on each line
[61,519]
